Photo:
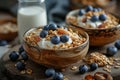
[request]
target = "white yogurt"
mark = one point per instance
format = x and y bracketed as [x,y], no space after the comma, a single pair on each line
[29,17]
[47,44]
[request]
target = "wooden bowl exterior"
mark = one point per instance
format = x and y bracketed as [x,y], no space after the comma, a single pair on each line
[57,58]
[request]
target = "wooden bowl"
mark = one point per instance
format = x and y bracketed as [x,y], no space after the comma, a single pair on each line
[9,35]
[98,37]
[57,58]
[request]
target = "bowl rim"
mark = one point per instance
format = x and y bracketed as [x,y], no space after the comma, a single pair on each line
[76,11]
[38,47]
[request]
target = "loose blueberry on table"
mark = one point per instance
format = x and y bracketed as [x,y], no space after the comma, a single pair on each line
[111,51]
[83,69]
[13,56]
[20,65]
[50,72]
[58,76]
[117,44]
[24,56]
[93,66]
[21,49]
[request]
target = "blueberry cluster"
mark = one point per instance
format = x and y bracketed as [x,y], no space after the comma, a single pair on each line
[14,56]
[84,68]
[94,18]
[112,50]
[3,42]
[54,39]
[55,75]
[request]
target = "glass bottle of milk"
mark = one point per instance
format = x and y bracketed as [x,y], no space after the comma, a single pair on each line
[31,13]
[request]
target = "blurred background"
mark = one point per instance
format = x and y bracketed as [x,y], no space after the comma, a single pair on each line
[57,9]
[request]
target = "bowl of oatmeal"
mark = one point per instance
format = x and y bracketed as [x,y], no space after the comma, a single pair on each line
[8,29]
[102,27]
[56,46]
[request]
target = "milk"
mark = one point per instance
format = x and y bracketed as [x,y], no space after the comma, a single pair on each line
[29,17]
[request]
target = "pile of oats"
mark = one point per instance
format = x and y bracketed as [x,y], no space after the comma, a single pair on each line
[8,27]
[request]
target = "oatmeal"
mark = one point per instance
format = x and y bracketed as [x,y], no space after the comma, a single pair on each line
[8,27]
[54,37]
[91,17]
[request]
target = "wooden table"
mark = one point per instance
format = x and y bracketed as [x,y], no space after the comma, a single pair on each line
[38,70]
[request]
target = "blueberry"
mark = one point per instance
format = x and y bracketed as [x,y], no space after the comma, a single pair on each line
[13,56]
[111,51]
[55,39]
[64,38]
[81,12]
[50,72]
[45,27]
[83,69]
[99,9]
[58,76]
[20,65]
[117,44]
[3,42]
[21,49]
[89,8]
[95,10]
[52,27]
[103,17]
[94,18]
[43,33]
[24,56]
[93,66]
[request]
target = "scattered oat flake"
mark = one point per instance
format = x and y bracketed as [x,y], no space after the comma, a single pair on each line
[65,78]
[29,71]
[74,68]
[22,72]
[106,69]
[116,67]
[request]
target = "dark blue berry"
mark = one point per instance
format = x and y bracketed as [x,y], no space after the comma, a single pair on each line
[117,44]
[45,27]
[24,56]
[20,65]
[103,17]
[13,56]
[21,49]
[89,8]
[99,9]
[81,12]
[43,33]
[111,51]
[94,18]
[83,69]
[3,42]
[64,38]
[95,10]
[52,27]
[93,66]
[50,72]
[58,76]
[55,40]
